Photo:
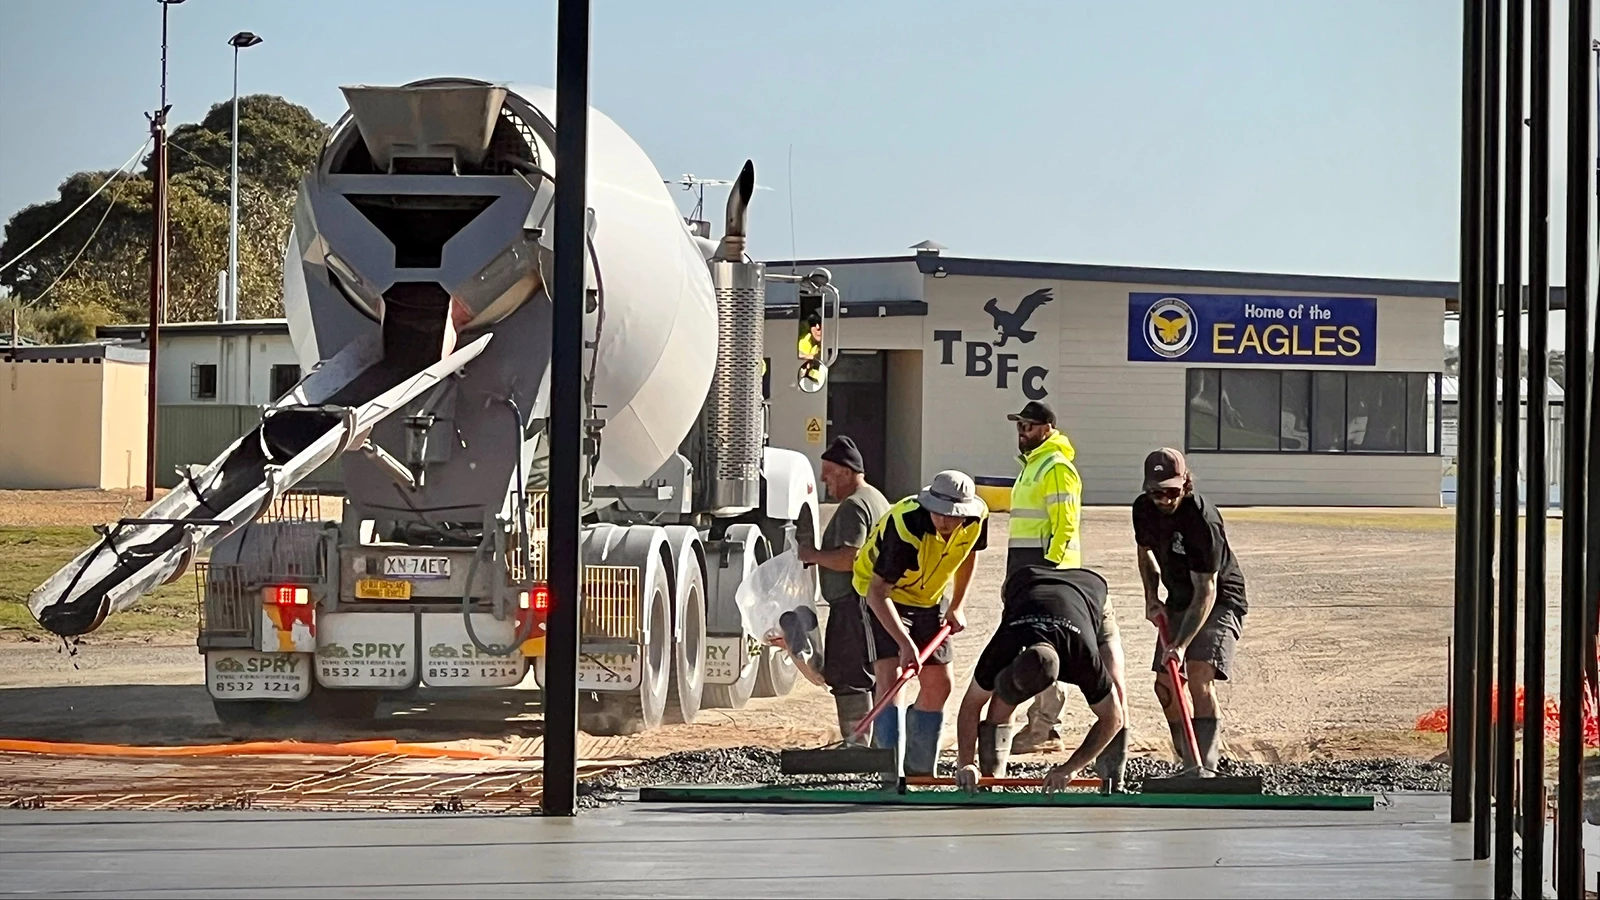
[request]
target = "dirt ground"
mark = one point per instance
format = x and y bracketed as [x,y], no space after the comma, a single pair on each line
[1344,647]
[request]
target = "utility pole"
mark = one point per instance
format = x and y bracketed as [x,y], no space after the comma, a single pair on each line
[158,258]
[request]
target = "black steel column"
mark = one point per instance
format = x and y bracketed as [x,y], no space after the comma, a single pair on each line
[566,409]
[1533,649]
[1483,568]
[1575,446]
[1462,665]
[1505,741]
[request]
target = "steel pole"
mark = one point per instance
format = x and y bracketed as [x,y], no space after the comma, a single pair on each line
[1533,648]
[230,310]
[1505,742]
[1575,445]
[158,265]
[1462,690]
[1489,302]
[566,410]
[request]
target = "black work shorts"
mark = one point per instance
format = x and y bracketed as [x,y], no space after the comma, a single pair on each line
[1215,644]
[922,621]
[847,654]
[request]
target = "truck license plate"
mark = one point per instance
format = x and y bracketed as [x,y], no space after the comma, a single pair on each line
[416,567]
[608,671]
[249,675]
[381,589]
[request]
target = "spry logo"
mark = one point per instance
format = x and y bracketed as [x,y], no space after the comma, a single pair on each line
[1170,328]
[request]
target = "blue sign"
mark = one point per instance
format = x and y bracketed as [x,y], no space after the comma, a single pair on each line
[1251,329]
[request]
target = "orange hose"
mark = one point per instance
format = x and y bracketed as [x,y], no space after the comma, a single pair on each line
[385,747]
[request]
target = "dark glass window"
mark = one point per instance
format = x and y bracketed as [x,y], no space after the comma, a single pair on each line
[1203,409]
[1250,410]
[1277,410]
[1295,436]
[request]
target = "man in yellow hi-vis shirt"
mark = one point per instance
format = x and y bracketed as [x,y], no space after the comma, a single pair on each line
[1046,529]
[913,553]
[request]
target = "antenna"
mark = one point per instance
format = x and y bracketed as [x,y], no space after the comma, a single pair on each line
[694,183]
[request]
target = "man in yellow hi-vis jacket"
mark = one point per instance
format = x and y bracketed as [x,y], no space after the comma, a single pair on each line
[1046,529]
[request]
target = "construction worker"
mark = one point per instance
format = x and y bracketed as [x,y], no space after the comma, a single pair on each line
[848,657]
[920,547]
[1183,545]
[1046,504]
[1053,629]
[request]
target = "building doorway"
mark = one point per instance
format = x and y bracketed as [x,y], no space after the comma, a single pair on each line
[858,406]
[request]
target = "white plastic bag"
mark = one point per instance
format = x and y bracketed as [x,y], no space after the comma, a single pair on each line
[778,605]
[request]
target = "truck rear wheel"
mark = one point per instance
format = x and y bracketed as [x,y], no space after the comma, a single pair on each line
[686,689]
[775,673]
[610,713]
[736,695]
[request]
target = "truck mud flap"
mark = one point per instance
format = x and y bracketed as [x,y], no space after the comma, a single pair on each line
[333,410]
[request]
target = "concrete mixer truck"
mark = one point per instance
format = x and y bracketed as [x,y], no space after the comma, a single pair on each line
[415,290]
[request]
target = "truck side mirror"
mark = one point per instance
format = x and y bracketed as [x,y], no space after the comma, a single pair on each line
[813,341]
[811,377]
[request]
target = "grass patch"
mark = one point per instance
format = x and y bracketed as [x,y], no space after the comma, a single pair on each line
[30,555]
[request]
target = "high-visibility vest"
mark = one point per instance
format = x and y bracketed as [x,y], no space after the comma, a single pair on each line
[937,559]
[1046,504]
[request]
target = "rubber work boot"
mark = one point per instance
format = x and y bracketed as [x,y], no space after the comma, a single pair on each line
[852,708]
[994,749]
[1180,744]
[886,728]
[1205,734]
[1032,739]
[922,740]
[1112,763]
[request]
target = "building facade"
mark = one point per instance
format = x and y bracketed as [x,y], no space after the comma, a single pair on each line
[72,416]
[1281,389]
[242,363]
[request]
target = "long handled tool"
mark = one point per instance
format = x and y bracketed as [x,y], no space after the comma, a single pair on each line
[849,758]
[1200,781]
[992,781]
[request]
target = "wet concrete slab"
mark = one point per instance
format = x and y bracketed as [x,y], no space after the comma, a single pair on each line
[1407,849]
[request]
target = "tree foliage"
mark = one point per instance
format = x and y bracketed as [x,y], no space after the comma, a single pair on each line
[96,269]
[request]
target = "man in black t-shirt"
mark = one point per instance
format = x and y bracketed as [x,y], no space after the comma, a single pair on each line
[1183,545]
[1053,628]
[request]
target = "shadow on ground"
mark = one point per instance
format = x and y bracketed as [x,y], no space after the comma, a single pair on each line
[160,714]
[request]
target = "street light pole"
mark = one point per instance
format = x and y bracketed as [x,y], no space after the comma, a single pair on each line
[231,311]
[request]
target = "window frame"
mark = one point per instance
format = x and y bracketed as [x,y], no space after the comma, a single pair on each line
[194,382]
[1433,398]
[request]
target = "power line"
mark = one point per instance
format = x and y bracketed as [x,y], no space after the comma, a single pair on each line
[113,177]
[103,216]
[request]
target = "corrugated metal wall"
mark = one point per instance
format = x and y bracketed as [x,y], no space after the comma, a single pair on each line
[193,434]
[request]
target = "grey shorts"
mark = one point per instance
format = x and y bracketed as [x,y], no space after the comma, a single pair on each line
[1215,644]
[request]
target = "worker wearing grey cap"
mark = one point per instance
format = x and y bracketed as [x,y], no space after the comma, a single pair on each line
[1183,545]
[924,544]
[847,660]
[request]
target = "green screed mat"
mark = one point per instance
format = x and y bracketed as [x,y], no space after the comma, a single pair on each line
[936,797]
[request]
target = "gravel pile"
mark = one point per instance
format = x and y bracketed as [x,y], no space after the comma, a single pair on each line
[759,766]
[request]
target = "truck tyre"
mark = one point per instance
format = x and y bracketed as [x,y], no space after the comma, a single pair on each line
[775,673]
[686,689]
[610,713]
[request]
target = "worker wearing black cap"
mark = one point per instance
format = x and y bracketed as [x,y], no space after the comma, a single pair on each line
[847,659]
[1052,630]
[1183,545]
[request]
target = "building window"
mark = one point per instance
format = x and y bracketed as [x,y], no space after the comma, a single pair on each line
[202,381]
[284,378]
[1256,410]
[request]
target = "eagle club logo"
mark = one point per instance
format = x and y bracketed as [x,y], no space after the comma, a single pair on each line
[1170,328]
[1012,324]
[982,357]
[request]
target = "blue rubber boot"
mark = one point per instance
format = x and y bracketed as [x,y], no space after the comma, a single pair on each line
[922,740]
[886,728]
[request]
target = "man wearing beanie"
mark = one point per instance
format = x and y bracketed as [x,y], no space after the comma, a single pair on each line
[847,659]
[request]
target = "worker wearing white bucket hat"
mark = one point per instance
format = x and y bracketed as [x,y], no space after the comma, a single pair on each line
[922,545]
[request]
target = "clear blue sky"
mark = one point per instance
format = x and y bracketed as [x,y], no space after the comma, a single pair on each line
[1312,136]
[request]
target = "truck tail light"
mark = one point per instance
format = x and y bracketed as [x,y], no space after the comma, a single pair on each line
[537,599]
[288,595]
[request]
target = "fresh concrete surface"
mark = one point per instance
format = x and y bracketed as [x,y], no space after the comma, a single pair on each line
[1407,850]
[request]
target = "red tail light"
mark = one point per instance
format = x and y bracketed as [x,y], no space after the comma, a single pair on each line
[538,599]
[288,595]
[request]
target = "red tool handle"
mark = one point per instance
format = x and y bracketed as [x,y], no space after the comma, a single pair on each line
[1176,676]
[905,678]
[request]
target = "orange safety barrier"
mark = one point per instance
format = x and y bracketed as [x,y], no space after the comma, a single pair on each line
[1438,720]
[384,747]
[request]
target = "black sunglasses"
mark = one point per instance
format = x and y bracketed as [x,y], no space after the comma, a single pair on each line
[1170,493]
